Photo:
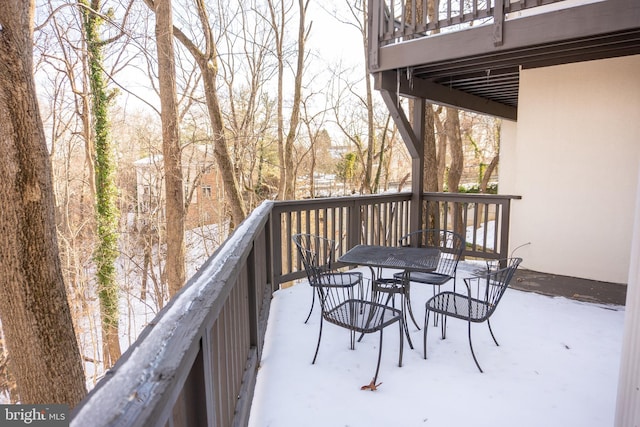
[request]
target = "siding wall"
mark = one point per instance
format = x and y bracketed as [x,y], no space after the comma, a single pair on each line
[574,156]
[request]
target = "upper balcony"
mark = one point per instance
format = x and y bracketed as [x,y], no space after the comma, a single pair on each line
[469,53]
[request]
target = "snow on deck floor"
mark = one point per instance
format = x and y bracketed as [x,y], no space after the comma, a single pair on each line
[557,365]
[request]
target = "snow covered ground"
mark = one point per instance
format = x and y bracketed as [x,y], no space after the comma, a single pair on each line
[557,365]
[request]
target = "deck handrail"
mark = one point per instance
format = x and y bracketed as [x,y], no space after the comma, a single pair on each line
[384,218]
[196,363]
[396,21]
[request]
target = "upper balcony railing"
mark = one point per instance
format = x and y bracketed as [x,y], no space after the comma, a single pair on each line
[197,361]
[401,20]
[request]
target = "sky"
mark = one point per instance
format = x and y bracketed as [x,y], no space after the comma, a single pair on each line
[331,37]
[557,365]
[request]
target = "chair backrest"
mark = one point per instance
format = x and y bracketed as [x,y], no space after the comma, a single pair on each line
[316,253]
[451,246]
[491,286]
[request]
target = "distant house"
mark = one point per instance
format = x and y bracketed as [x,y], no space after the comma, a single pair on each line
[203,189]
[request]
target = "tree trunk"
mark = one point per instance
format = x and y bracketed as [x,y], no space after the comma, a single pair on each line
[207,62]
[289,162]
[431,182]
[452,127]
[174,190]
[36,319]
[371,137]
[106,193]
[441,138]
[494,162]
[221,151]
[277,25]
[488,172]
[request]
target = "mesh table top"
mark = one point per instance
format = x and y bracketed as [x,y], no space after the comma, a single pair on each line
[403,258]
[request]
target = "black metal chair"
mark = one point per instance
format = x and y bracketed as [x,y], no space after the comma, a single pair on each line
[484,292]
[451,246]
[320,252]
[344,304]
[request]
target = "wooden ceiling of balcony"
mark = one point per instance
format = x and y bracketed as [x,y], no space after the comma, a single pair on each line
[465,69]
[496,76]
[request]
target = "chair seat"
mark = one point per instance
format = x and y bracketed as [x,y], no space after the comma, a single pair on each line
[427,278]
[362,316]
[459,306]
[340,279]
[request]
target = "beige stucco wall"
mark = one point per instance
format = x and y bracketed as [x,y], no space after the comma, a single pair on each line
[574,155]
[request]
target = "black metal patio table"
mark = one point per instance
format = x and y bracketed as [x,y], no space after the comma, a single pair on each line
[394,257]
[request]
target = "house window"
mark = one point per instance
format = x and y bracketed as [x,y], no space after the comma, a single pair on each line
[206,191]
[204,169]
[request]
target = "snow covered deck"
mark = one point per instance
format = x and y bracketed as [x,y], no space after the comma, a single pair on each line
[557,365]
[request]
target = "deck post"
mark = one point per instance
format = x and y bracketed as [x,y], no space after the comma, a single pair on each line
[417,165]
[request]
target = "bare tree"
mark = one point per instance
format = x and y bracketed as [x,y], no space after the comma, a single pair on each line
[61,68]
[452,127]
[207,60]
[247,68]
[360,124]
[170,147]
[316,156]
[493,164]
[36,318]
[359,12]
[278,12]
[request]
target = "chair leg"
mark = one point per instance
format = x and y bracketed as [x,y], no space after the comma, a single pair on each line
[435,315]
[403,325]
[472,352]
[313,300]
[492,336]
[407,302]
[424,337]
[443,327]
[403,321]
[401,346]
[352,333]
[318,345]
[375,377]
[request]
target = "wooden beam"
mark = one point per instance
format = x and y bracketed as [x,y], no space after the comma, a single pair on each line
[413,136]
[392,81]
[398,115]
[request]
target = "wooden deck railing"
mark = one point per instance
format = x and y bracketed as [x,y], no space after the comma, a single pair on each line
[482,219]
[396,21]
[379,219]
[197,362]
[382,219]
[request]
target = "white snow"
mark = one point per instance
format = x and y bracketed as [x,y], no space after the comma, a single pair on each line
[557,365]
